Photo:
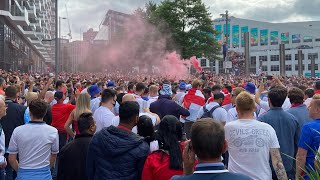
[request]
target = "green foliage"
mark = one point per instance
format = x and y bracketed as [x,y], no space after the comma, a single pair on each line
[190,26]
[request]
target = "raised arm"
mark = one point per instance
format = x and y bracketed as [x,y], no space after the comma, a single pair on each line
[45,89]
[278,164]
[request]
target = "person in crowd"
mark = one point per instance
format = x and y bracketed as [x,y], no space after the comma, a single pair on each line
[48,98]
[60,115]
[215,89]
[82,106]
[298,109]
[193,101]
[3,162]
[140,87]
[208,144]
[78,86]
[309,142]
[308,94]
[110,85]
[59,86]
[37,145]
[259,145]
[285,125]
[165,105]
[214,109]
[153,94]
[29,97]
[180,93]
[316,87]
[207,93]
[116,152]
[72,160]
[13,119]
[167,161]
[94,92]
[2,86]
[131,87]
[227,90]
[232,113]
[145,128]
[87,85]
[104,115]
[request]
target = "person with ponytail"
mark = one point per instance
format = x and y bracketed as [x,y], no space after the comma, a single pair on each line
[167,161]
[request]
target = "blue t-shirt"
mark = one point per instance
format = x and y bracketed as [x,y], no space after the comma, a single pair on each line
[310,140]
[26,116]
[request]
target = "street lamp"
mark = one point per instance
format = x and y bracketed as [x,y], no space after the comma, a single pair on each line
[59,42]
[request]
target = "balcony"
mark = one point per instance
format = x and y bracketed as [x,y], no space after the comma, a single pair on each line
[32,11]
[19,16]
[27,31]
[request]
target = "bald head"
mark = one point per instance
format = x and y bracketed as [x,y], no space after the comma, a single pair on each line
[128,97]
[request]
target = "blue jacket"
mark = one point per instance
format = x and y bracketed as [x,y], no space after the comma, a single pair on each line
[208,170]
[115,153]
[165,106]
[301,113]
[288,132]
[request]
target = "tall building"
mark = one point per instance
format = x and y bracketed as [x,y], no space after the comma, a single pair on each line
[264,44]
[77,52]
[89,35]
[24,24]
[111,25]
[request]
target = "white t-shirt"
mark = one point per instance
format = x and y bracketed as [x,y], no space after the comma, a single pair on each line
[103,117]
[34,142]
[249,144]
[94,104]
[179,97]
[219,114]
[2,147]
[285,106]
[116,121]
[142,103]
[152,99]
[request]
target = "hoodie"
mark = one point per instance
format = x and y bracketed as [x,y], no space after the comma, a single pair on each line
[116,154]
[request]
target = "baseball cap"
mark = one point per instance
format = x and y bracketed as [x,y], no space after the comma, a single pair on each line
[110,84]
[182,86]
[250,87]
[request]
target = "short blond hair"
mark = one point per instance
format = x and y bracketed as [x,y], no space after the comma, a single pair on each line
[196,83]
[236,91]
[316,100]
[245,102]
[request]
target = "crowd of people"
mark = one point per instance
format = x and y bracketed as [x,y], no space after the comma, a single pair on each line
[137,126]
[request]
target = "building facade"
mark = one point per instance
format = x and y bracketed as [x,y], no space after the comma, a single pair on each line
[264,45]
[89,35]
[24,24]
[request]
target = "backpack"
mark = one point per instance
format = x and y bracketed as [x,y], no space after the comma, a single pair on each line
[207,113]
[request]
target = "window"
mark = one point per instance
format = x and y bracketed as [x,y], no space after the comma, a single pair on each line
[296,57]
[221,70]
[263,58]
[274,57]
[313,55]
[296,67]
[264,68]
[289,67]
[288,57]
[253,60]
[203,62]
[309,67]
[318,40]
[252,70]
[275,68]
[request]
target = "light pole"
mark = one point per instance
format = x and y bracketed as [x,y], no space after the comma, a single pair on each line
[56,42]
[59,57]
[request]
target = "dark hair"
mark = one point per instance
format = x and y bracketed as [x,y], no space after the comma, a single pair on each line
[219,95]
[145,128]
[59,83]
[119,97]
[207,90]
[11,92]
[168,135]
[146,91]
[277,96]
[100,83]
[207,137]
[128,110]
[85,120]
[296,96]
[38,108]
[130,85]
[317,84]
[1,81]
[140,87]
[216,87]
[309,93]
[229,88]
[107,94]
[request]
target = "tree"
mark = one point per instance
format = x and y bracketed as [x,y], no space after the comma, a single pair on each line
[190,25]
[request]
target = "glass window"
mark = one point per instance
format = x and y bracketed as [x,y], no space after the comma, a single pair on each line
[275,68]
[296,57]
[307,39]
[264,68]
[289,67]
[252,70]
[274,57]
[288,57]
[203,62]
[296,67]
[253,60]
[263,58]
[313,55]
[309,67]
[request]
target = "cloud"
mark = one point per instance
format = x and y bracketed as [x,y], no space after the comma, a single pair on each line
[85,14]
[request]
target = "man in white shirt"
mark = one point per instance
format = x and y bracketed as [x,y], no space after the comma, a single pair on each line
[308,94]
[104,115]
[140,87]
[36,143]
[153,96]
[94,92]
[219,114]
[180,93]
[251,143]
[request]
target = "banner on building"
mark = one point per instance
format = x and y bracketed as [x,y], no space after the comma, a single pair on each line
[285,38]
[264,37]
[254,37]
[274,37]
[243,30]
[235,36]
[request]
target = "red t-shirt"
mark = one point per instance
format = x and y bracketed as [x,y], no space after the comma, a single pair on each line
[60,115]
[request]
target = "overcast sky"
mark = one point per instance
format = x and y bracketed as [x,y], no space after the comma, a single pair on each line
[85,14]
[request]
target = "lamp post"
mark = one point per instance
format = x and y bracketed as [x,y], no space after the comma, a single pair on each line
[59,42]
